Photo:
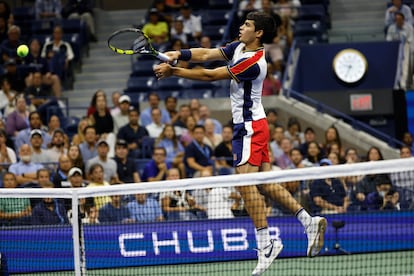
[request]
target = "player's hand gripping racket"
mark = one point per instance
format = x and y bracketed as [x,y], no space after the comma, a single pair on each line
[130,41]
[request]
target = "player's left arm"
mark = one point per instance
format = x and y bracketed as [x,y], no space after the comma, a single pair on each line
[165,70]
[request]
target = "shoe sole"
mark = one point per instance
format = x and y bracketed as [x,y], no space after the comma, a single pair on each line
[319,240]
[276,255]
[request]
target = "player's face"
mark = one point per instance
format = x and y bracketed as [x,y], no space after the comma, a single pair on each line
[247,33]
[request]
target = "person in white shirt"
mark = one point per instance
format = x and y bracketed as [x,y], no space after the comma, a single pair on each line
[156,126]
[192,23]
[220,202]
[121,118]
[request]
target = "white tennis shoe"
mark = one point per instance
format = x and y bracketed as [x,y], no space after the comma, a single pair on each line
[266,256]
[315,232]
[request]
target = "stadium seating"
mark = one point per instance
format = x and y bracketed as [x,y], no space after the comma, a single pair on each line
[140,84]
[196,93]
[213,31]
[220,4]
[215,17]
[173,83]
[141,68]
[42,26]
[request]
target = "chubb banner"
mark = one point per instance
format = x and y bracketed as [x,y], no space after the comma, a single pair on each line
[121,245]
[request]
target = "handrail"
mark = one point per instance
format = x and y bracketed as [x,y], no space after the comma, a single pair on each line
[400,64]
[286,73]
[226,35]
[356,124]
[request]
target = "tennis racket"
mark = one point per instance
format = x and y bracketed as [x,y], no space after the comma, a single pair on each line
[130,41]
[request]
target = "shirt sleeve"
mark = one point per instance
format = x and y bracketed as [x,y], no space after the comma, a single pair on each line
[228,50]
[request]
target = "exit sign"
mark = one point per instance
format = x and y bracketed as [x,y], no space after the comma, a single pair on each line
[361,102]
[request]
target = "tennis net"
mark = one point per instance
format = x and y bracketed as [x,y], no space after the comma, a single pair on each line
[199,225]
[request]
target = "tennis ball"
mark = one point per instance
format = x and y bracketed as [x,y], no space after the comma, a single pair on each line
[22,50]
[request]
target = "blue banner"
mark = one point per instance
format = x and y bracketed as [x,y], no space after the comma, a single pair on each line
[51,249]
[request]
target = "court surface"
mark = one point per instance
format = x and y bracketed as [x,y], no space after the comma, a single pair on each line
[388,263]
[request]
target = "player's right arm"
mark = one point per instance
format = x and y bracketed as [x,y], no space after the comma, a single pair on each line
[198,54]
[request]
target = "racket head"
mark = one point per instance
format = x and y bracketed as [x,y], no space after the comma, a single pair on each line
[129,41]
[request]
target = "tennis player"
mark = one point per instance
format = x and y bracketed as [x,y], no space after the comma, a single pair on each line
[247,69]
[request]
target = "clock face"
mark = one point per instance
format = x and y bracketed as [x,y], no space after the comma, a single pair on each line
[350,65]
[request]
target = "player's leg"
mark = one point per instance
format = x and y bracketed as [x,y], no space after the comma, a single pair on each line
[249,141]
[254,203]
[314,226]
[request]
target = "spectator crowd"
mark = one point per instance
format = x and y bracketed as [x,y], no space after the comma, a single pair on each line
[119,143]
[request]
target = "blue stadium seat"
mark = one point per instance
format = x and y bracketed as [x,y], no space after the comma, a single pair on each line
[147,146]
[220,4]
[140,164]
[163,94]
[140,84]
[196,84]
[215,17]
[173,83]
[75,26]
[214,32]
[76,43]
[23,17]
[309,27]
[42,26]
[143,68]
[313,12]
[71,127]
[196,93]
[222,92]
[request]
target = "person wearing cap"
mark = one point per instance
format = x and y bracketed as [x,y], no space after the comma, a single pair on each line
[126,168]
[7,154]
[57,145]
[25,170]
[155,29]
[384,198]
[75,177]
[23,137]
[39,154]
[328,196]
[108,164]
[121,118]
[192,23]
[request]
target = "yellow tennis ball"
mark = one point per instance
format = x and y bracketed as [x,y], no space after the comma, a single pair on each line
[22,50]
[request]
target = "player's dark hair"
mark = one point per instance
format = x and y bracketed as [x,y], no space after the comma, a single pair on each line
[265,22]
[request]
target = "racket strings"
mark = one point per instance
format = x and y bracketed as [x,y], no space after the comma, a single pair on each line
[139,44]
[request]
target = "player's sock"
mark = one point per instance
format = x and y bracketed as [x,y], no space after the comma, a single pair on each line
[263,238]
[303,217]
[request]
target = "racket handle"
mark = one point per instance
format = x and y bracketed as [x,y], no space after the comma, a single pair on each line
[165,58]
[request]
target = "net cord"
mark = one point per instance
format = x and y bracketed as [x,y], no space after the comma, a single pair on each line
[363,168]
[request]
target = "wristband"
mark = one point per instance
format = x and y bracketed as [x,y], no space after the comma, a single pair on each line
[185,55]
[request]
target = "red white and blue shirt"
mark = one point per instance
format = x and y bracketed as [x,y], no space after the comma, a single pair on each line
[248,70]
